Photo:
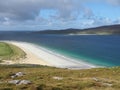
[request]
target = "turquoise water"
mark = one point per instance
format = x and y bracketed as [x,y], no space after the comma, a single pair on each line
[77,57]
[98,50]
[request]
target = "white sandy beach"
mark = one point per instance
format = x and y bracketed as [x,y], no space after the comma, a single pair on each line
[42,56]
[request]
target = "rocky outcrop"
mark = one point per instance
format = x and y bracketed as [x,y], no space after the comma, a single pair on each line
[19,82]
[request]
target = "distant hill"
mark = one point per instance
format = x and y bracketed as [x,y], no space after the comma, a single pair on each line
[103,30]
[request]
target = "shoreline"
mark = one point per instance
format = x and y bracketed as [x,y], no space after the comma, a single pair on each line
[41,56]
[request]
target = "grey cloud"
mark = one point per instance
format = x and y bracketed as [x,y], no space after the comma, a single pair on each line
[29,9]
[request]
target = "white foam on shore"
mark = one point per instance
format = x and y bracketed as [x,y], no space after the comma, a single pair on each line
[53,58]
[66,62]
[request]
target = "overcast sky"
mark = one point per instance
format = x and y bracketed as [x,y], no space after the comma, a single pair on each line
[57,14]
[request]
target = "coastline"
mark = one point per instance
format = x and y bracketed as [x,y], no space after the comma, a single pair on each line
[41,56]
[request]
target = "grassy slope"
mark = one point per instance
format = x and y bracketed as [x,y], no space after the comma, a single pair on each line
[10,52]
[42,78]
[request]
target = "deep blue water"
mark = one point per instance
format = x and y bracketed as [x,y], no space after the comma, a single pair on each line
[99,50]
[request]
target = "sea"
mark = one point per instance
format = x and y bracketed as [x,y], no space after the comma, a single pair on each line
[100,50]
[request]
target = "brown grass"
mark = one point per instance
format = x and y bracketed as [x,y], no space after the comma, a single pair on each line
[42,78]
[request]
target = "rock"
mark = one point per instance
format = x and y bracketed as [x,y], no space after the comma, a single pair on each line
[95,79]
[14,82]
[58,78]
[14,76]
[19,74]
[19,82]
[102,82]
[107,84]
[25,82]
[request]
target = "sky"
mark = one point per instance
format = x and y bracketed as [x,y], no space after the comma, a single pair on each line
[57,14]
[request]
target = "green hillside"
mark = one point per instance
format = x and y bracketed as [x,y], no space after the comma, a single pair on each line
[103,30]
[10,52]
